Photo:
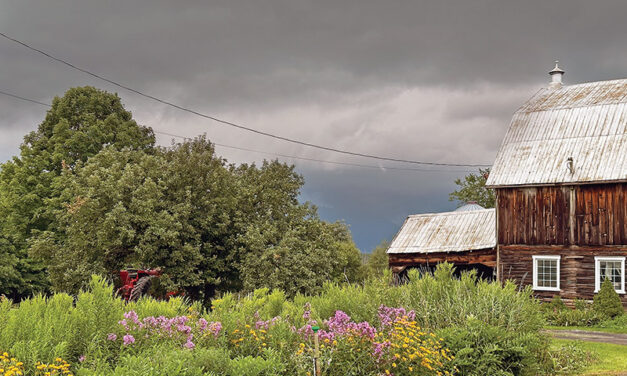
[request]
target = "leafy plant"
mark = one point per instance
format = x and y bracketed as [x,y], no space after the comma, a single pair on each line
[607,302]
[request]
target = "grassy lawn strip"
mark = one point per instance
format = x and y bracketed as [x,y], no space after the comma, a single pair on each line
[618,330]
[612,359]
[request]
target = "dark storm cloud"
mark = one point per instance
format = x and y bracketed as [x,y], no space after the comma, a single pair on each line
[421,80]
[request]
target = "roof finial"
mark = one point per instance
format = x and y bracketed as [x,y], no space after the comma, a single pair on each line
[556,76]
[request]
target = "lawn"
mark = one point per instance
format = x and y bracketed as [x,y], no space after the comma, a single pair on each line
[612,359]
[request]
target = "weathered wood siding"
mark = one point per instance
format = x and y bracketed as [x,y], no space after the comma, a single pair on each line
[486,257]
[541,215]
[577,267]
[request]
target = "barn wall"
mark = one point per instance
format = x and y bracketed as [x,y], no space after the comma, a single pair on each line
[577,268]
[485,256]
[541,215]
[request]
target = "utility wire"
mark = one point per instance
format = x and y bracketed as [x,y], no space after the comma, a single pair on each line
[313,159]
[263,152]
[242,127]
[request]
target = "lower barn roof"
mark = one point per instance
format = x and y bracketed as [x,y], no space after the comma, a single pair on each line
[456,231]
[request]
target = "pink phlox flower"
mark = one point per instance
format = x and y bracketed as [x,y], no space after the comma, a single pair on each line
[202,324]
[128,339]
[112,337]
[189,344]
[215,328]
[131,315]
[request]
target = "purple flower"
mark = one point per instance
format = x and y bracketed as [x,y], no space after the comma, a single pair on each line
[131,315]
[112,337]
[81,358]
[307,313]
[128,339]
[388,315]
[189,344]
[202,324]
[215,328]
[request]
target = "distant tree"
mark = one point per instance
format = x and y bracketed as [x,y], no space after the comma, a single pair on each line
[77,127]
[378,260]
[310,253]
[472,188]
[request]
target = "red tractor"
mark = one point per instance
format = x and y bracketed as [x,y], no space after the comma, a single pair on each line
[136,282]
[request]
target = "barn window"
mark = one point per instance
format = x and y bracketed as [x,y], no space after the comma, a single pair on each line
[546,273]
[612,268]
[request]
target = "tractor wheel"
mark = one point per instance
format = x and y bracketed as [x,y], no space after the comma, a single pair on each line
[141,287]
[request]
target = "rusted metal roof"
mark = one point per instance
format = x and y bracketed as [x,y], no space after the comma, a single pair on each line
[585,122]
[455,231]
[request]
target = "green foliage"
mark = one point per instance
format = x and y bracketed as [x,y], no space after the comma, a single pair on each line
[494,328]
[482,349]
[78,126]
[208,225]
[310,253]
[558,314]
[472,188]
[607,302]
[570,359]
[170,209]
[378,261]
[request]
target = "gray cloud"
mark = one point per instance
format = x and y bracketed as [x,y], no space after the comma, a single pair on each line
[422,80]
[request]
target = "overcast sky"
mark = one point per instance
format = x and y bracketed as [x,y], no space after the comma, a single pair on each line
[422,80]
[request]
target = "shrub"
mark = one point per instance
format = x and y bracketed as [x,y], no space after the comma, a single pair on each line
[569,359]
[607,302]
[482,349]
[573,317]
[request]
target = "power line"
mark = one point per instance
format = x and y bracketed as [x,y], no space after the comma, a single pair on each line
[24,99]
[264,152]
[313,159]
[225,122]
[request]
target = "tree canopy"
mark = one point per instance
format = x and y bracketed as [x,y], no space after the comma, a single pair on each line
[472,188]
[78,126]
[91,193]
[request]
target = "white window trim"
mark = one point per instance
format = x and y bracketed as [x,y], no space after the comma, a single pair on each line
[535,272]
[597,269]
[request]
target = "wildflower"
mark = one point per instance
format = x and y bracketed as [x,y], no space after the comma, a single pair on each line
[128,339]
[81,358]
[189,344]
[112,337]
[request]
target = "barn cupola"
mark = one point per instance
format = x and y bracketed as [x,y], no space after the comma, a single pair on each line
[556,76]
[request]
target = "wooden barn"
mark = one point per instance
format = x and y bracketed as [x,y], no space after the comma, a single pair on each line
[464,237]
[560,177]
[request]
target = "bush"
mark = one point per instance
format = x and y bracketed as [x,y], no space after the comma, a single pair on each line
[573,317]
[607,302]
[569,359]
[482,349]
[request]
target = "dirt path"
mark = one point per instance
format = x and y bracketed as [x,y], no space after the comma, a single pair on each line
[584,335]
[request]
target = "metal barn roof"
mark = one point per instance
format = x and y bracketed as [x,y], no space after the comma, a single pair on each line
[455,231]
[472,205]
[585,122]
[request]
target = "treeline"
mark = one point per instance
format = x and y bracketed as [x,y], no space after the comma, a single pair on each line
[91,193]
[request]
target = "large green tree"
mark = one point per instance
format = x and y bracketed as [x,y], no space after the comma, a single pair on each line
[472,188]
[207,224]
[173,209]
[77,127]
